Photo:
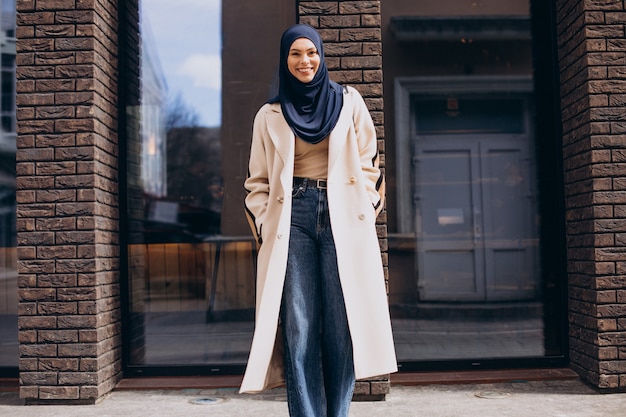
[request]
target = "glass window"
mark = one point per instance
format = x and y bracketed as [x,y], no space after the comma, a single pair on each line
[196,79]
[8,262]
[469,280]
[470,276]
[468,115]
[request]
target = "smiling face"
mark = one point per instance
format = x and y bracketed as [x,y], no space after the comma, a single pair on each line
[303,60]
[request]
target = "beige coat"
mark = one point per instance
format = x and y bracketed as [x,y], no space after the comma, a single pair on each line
[355,197]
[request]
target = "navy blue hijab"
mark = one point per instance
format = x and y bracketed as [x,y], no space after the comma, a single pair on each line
[311,109]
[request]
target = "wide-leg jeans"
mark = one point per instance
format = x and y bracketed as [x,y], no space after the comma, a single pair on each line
[319,368]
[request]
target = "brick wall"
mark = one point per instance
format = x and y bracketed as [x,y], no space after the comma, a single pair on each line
[592,54]
[351,31]
[68,252]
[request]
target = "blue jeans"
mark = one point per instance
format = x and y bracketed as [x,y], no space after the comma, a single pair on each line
[319,368]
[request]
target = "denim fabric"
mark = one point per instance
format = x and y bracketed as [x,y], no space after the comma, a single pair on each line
[319,368]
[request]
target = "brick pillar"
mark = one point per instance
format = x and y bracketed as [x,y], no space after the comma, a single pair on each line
[68,243]
[592,55]
[351,31]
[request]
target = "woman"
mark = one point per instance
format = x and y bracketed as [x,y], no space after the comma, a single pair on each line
[314,190]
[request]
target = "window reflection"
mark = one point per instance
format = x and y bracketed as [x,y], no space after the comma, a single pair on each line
[202,69]
[465,279]
[8,263]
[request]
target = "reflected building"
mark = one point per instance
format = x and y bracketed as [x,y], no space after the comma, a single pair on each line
[153,116]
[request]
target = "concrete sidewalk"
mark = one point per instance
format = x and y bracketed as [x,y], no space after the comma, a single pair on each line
[520,399]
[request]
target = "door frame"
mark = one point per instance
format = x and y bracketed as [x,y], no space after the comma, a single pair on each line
[404,88]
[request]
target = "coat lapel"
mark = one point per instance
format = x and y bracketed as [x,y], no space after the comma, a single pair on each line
[339,134]
[281,134]
[284,141]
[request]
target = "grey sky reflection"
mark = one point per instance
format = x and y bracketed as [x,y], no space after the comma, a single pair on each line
[187,39]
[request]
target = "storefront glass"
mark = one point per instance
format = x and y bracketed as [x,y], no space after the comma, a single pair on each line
[474,272]
[8,263]
[201,71]
[469,276]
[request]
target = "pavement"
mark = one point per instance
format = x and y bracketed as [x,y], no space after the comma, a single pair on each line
[569,398]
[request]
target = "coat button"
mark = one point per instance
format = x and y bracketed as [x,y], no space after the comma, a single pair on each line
[280,199]
[280,236]
[361,216]
[352,179]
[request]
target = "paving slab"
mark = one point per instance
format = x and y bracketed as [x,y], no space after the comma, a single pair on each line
[570,398]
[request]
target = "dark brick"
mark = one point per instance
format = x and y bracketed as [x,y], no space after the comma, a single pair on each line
[25,86]
[36,72]
[359,7]
[35,126]
[76,294]
[36,322]
[83,97]
[58,365]
[80,153]
[74,125]
[27,336]
[57,308]
[58,393]
[347,77]
[77,322]
[352,35]
[38,378]
[35,99]
[55,5]
[55,168]
[25,168]
[55,196]
[74,181]
[34,239]
[55,85]
[34,45]
[35,267]
[57,336]
[321,8]
[76,266]
[74,44]
[337,21]
[57,280]
[343,49]
[26,253]
[75,16]
[38,351]
[74,209]
[55,58]
[78,378]
[361,62]
[78,350]
[74,71]
[370,20]
[56,252]
[54,31]
[56,112]
[55,224]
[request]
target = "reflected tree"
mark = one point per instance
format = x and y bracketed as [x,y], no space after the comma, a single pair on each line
[194,177]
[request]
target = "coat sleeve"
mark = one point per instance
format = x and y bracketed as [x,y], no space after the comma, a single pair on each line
[368,151]
[257,181]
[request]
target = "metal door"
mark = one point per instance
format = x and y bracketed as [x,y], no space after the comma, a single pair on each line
[475,217]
